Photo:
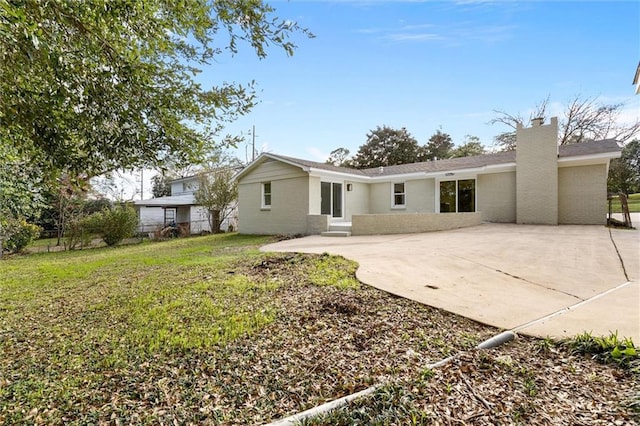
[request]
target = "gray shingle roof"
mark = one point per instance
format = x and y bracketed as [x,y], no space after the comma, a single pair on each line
[589,148]
[321,166]
[474,162]
[444,165]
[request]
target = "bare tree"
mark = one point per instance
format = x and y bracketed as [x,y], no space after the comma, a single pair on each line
[583,119]
[218,194]
[506,141]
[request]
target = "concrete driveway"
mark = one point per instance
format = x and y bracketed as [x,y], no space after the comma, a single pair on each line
[538,280]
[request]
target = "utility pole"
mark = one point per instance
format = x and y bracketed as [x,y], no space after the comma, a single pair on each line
[253,143]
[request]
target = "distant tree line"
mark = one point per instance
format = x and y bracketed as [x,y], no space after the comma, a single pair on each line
[583,119]
[386,146]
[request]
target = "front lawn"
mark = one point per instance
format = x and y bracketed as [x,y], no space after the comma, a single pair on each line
[209,330]
[633,201]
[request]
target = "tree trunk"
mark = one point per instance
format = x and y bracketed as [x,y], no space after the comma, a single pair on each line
[215,216]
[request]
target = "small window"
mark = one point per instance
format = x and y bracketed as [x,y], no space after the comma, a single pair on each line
[398,195]
[266,195]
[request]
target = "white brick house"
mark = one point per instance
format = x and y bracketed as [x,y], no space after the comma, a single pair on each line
[538,183]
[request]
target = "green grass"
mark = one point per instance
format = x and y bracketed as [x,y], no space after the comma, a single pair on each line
[150,295]
[634,204]
[71,320]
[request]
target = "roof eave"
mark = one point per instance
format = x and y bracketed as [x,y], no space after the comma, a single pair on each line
[313,171]
[599,158]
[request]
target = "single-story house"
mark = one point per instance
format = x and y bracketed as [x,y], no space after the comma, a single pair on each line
[538,183]
[179,208]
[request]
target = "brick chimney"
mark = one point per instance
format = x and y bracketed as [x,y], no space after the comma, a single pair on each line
[537,172]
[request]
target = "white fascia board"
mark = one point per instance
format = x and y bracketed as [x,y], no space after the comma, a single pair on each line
[496,168]
[586,160]
[398,177]
[321,173]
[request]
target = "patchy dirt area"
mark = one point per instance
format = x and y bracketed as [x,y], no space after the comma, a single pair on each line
[330,342]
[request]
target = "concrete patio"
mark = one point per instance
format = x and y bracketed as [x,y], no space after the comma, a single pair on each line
[538,280]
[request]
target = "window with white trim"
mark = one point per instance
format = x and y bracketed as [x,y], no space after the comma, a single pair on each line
[398,196]
[266,195]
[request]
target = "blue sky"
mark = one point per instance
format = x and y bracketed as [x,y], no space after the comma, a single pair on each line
[426,65]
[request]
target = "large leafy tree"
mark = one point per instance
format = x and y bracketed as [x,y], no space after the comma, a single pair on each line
[160,185]
[20,191]
[387,146]
[624,172]
[583,119]
[97,85]
[439,146]
[471,146]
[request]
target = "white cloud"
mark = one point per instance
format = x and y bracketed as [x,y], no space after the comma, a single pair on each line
[413,37]
[456,34]
[317,154]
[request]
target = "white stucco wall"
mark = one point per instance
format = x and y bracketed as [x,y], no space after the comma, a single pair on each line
[496,195]
[315,199]
[419,197]
[356,200]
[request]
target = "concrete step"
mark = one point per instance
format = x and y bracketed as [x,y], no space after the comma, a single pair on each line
[336,234]
[345,227]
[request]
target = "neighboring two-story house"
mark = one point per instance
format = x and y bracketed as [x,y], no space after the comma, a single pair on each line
[179,208]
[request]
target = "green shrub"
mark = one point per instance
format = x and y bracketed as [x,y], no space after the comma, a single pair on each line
[115,224]
[607,349]
[22,236]
[80,231]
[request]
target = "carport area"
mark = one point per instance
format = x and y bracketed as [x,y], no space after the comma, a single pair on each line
[543,281]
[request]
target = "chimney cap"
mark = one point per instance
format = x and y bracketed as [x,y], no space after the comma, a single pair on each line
[538,121]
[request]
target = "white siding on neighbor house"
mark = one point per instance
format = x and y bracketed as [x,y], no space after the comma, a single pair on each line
[582,195]
[419,197]
[496,195]
[356,200]
[150,218]
[183,187]
[183,214]
[199,220]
